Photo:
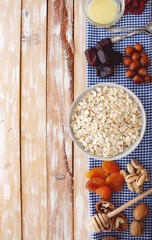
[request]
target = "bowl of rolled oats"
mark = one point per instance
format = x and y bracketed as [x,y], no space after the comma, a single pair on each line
[107,121]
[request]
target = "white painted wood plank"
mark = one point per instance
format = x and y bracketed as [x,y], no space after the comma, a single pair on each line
[33,120]
[81,209]
[10,206]
[59,99]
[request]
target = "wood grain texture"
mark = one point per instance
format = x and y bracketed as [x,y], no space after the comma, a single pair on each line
[81,211]
[59,99]
[10,207]
[33,120]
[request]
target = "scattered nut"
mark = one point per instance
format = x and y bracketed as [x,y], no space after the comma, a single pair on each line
[137,189]
[138,47]
[147,79]
[140,179]
[137,61]
[104,207]
[135,180]
[135,65]
[144,61]
[141,211]
[135,163]
[131,177]
[123,172]
[127,61]
[136,56]
[129,73]
[136,229]
[109,238]
[130,187]
[142,71]
[130,168]
[120,223]
[144,171]
[129,51]
[138,79]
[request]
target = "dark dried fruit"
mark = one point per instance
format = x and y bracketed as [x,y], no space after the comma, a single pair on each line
[134,6]
[109,238]
[104,57]
[104,43]
[106,71]
[91,56]
[116,57]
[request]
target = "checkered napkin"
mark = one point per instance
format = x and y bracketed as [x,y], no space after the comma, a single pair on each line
[144,91]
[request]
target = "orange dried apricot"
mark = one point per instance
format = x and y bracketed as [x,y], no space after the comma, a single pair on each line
[104,192]
[115,181]
[110,167]
[96,172]
[95,183]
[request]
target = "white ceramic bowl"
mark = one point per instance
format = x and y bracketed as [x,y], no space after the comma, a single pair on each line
[133,146]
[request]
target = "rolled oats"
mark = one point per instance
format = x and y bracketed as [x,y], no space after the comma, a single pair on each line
[107,121]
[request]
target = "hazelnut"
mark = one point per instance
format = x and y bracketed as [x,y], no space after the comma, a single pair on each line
[135,65]
[129,51]
[109,238]
[141,212]
[120,222]
[129,73]
[138,47]
[127,61]
[144,61]
[136,56]
[104,207]
[147,79]
[136,229]
[142,71]
[143,54]
[138,79]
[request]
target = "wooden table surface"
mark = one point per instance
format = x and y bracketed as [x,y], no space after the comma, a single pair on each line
[42,174]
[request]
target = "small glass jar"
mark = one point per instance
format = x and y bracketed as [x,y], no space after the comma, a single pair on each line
[120,12]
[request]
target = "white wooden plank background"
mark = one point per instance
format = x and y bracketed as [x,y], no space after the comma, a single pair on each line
[42,65]
[10,205]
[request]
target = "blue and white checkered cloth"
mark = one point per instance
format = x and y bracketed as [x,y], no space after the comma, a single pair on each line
[144,91]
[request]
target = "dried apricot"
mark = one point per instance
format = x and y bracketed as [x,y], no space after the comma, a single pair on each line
[95,183]
[96,172]
[104,192]
[110,167]
[115,181]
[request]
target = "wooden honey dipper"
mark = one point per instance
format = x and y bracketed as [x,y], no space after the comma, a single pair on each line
[102,222]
